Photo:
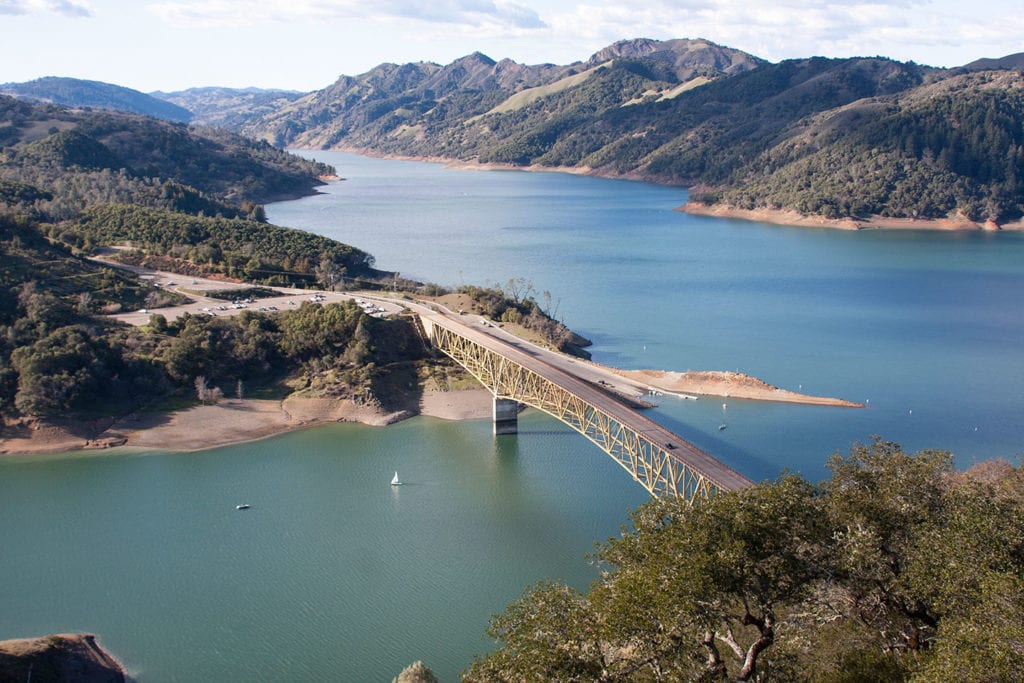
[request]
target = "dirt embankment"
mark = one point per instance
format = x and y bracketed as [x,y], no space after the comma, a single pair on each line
[64,657]
[795,218]
[228,422]
[234,421]
[727,384]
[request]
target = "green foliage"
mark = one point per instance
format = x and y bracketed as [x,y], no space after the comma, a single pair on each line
[958,150]
[892,569]
[178,195]
[516,304]
[14,193]
[66,371]
[249,250]
[93,157]
[72,148]
[549,634]
[27,257]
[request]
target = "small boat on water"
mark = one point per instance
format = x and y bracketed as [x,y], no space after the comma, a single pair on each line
[722,426]
[242,506]
[395,481]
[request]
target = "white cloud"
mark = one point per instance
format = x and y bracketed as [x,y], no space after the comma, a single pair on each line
[903,29]
[68,8]
[240,13]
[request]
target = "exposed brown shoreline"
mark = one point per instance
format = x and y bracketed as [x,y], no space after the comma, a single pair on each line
[60,657]
[727,385]
[226,423]
[795,218]
[234,421]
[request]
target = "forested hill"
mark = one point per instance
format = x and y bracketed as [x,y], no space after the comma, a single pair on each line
[952,148]
[75,92]
[475,102]
[228,108]
[80,157]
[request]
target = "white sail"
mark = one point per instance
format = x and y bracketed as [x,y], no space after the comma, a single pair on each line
[395,481]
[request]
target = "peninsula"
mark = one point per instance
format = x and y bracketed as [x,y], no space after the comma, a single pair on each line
[63,657]
[236,420]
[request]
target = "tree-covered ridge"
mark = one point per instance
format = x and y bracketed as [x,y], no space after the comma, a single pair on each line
[893,569]
[73,283]
[244,249]
[88,157]
[951,148]
[419,108]
[75,92]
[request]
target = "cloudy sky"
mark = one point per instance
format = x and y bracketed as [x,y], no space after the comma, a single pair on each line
[306,44]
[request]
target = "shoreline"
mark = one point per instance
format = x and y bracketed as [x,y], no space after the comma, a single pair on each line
[794,218]
[233,422]
[230,422]
[61,656]
[782,217]
[727,385]
[471,165]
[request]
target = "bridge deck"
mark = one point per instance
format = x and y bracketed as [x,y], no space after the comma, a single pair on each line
[673,444]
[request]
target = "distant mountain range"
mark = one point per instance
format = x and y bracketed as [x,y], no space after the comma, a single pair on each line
[228,108]
[73,92]
[813,135]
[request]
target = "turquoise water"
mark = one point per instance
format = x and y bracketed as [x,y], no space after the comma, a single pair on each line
[333,575]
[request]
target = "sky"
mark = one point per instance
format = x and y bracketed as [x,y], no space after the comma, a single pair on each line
[307,44]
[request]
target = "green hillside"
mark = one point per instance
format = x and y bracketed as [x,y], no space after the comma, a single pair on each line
[428,109]
[75,92]
[955,148]
[82,157]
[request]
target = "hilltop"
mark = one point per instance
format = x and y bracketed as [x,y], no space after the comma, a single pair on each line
[228,108]
[79,93]
[431,110]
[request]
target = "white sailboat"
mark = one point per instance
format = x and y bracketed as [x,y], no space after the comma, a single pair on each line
[395,481]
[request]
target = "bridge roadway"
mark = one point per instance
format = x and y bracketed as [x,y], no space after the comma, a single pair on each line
[558,369]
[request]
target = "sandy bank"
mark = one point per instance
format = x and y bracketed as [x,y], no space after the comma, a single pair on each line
[64,657]
[229,422]
[235,421]
[727,384]
[795,218]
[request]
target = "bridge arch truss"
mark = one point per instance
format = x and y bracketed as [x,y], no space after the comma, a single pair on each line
[650,454]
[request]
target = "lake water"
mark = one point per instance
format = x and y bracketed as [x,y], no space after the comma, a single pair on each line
[333,575]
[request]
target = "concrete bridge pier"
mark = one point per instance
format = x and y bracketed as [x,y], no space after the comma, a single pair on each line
[506,416]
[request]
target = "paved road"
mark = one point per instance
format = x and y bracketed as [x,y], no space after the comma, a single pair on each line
[193,287]
[558,369]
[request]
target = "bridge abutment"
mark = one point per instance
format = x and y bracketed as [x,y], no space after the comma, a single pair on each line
[506,416]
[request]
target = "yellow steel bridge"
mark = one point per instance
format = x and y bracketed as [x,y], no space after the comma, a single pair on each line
[661,461]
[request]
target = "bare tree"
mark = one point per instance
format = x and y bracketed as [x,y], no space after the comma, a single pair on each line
[205,393]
